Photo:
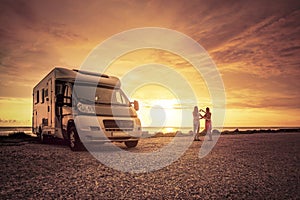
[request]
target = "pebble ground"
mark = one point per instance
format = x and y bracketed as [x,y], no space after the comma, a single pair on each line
[255,166]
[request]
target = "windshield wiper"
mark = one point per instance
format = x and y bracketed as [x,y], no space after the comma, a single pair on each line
[86,100]
[116,104]
[102,103]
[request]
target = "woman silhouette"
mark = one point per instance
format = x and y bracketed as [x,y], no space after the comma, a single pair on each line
[208,124]
[196,123]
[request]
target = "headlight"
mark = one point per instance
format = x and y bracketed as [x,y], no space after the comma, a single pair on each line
[86,108]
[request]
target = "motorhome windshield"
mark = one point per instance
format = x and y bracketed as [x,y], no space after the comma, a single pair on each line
[101,95]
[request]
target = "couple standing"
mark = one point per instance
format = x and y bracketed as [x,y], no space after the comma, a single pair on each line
[197,116]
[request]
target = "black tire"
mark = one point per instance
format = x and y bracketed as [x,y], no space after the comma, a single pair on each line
[42,137]
[74,140]
[131,144]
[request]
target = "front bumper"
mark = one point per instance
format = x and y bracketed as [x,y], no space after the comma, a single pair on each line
[91,129]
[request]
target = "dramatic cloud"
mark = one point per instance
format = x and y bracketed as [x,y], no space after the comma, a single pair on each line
[255,44]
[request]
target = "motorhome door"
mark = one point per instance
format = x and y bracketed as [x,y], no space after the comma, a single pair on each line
[48,96]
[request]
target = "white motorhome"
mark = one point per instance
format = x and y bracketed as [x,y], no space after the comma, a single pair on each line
[80,106]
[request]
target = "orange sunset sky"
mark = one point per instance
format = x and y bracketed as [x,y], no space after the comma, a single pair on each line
[255,45]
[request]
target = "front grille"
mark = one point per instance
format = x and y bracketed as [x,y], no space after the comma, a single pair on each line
[118,125]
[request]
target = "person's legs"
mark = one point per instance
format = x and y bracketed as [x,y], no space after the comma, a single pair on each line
[209,133]
[194,127]
[196,130]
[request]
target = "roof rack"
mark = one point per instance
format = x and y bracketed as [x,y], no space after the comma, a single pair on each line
[91,73]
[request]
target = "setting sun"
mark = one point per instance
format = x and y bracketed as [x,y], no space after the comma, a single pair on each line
[159,107]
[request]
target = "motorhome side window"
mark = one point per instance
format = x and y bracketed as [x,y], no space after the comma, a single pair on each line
[46,93]
[58,88]
[37,97]
[43,96]
[67,93]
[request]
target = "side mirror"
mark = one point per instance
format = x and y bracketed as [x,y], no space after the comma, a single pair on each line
[136,105]
[59,100]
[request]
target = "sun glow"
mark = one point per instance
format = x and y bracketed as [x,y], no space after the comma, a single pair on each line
[160,108]
[168,130]
[165,103]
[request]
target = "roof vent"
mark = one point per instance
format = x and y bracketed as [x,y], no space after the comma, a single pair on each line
[91,73]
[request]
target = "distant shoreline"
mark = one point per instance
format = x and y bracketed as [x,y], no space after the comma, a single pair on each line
[158,131]
[225,130]
[10,127]
[216,132]
[237,131]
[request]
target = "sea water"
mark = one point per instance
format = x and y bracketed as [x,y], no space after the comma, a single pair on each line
[6,130]
[153,130]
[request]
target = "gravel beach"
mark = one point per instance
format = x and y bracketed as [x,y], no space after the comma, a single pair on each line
[254,166]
